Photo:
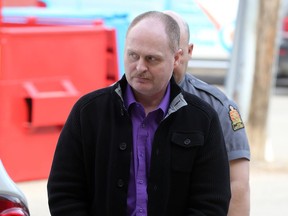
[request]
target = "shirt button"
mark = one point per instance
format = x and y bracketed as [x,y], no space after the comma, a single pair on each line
[187,141]
[140,181]
[141,210]
[120,183]
[123,146]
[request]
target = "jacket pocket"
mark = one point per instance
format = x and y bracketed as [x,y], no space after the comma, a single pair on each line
[184,148]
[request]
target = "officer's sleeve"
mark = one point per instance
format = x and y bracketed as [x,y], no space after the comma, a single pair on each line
[234,132]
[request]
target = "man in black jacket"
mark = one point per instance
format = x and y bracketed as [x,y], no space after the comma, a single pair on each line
[142,146]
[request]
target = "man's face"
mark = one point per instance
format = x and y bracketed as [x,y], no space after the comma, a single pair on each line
[148,59]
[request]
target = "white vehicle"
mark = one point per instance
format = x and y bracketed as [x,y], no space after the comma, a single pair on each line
[12,201]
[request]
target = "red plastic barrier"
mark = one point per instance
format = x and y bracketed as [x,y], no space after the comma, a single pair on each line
[19,3]
[285,24]
[43,70]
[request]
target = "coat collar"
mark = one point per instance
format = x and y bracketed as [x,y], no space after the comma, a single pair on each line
[177,99]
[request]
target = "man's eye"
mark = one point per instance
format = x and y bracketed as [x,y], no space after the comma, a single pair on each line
[133,56]
[151,59]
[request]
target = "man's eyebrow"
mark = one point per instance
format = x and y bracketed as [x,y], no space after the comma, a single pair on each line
[154,55]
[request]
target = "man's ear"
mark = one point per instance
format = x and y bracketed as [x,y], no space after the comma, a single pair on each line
[177,57]
[190,49]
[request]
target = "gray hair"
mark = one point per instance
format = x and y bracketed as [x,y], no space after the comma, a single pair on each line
[171,27]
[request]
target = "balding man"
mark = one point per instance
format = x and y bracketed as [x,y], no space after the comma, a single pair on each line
[142,146]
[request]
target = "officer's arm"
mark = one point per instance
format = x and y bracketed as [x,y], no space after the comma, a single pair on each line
[240,188]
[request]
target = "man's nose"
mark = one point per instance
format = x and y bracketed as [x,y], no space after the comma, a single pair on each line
[141,65]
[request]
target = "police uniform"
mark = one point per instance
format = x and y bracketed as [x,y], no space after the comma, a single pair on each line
[236,141]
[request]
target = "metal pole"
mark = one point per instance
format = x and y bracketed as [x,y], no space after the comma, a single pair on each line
[239,80]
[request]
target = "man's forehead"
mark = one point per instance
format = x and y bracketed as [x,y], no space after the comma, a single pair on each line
[149,23]
[143,31]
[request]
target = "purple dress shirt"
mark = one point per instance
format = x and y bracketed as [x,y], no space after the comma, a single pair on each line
[144,128]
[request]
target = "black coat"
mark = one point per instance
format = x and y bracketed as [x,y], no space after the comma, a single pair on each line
[189,173]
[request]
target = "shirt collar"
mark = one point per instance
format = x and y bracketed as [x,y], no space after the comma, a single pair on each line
[129,99]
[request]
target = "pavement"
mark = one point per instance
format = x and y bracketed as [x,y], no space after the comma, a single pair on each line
[268,180]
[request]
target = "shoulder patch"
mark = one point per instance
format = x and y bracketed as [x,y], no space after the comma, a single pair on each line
[235,118]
